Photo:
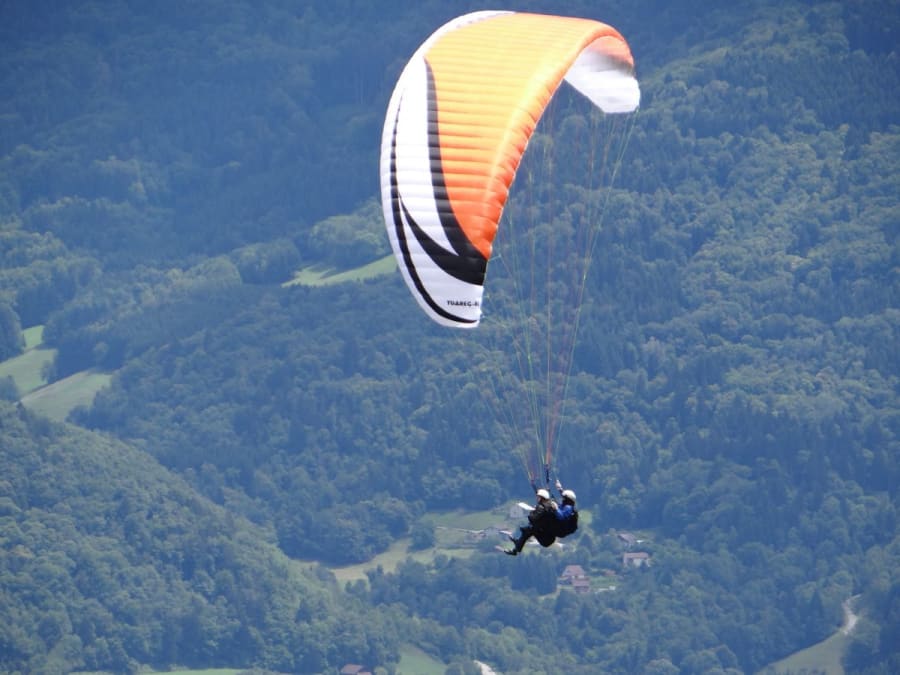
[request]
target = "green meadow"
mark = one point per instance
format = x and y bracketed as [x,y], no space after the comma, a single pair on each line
[454,537]
[34,336]
[57,399]
[413,661]
[823,658]
[26,369]
[323,276]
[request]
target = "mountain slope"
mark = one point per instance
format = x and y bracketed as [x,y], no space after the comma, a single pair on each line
[113,562]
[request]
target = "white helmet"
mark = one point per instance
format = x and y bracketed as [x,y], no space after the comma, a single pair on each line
[543,494]
[568,494]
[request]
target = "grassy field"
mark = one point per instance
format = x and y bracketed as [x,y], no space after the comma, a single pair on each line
[34,336]
[54,400]
[397,553]
[57,400]
[26,368]
[472,520]
[322,276]
[824,658]
[413,661]
[453,538]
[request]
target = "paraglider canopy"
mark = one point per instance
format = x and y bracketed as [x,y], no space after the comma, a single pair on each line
[457,124]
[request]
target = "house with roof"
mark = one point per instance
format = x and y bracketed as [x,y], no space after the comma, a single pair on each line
[575,578]
[636,559]
[355,669]
[571,574]
[627,539]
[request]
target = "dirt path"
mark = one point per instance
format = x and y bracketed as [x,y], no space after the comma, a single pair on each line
[850,617]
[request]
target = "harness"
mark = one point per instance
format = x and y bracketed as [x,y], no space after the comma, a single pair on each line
[569,525]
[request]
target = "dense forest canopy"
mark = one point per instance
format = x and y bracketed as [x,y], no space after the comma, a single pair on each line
[166,168]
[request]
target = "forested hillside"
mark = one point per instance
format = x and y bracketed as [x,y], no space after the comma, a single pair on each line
[112,561]
[734,395]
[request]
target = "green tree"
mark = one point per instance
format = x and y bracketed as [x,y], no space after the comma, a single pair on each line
[12,342]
